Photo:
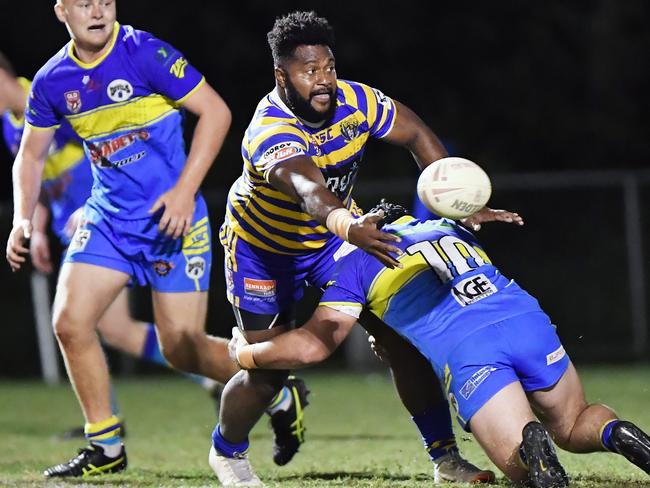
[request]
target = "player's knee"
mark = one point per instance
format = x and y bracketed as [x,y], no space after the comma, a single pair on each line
[69,328]
[180,348]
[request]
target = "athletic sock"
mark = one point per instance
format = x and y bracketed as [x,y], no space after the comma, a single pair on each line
[437,434]
[282,401]
[105,434]
[606,434]
[226,448]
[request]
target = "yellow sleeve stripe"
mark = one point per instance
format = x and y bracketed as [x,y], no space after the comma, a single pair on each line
[389,281]
[392,122]
[273,130]
[59,162]
[37,128]
[133,114]
[191,92]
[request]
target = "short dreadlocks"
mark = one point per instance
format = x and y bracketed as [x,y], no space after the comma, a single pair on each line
[298,28]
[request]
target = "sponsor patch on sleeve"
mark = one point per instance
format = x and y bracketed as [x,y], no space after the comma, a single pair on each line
[281,152]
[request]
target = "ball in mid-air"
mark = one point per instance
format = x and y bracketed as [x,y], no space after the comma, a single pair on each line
[454,187]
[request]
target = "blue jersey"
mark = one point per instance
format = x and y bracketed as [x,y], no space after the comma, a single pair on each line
[67,178]
[125,108]
[447,289]
[263,216]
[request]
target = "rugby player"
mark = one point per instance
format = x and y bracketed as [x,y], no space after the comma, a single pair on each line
[490,343]
[287,221]
[67,180]
[145,222]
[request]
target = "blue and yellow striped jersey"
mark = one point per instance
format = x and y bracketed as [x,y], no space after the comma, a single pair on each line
[125,108]
[265,217]
[67,178]
[447,289]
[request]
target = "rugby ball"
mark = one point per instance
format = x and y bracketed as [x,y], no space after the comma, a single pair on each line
[454,187]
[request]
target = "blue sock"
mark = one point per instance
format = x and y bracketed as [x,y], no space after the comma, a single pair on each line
[226,448]
[437,434]
[606,434]
[151,351]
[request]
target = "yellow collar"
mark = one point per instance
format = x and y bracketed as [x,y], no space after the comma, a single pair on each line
[72,55]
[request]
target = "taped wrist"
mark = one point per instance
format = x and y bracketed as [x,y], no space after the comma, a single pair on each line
[245,357]
[339,221]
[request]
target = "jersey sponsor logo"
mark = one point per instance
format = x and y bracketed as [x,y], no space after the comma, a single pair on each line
[105,149]
[131,159]
[350,129]
[555,356]
[119,90]
[282,151]
[339,185]
[475,381]
[472,289]
[195,268]
[178,68]
[259,288]
[162,267]
[73,100]
[80,239]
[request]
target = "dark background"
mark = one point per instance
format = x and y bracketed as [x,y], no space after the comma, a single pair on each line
[517,86]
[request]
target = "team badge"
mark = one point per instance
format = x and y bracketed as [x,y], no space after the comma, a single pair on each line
[195,268]
[119,90]
[73,101]
[350,129]
[162,267]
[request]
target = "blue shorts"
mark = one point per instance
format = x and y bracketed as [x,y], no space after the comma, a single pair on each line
[137,248]
[525,348]
[267,283]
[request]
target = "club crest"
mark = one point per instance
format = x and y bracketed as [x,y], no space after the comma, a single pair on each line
[73,101]
[350,129]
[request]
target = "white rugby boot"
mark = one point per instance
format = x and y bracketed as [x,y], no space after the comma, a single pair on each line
[234,471]
[453,468]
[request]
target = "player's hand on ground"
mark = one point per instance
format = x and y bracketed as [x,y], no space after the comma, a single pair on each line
[16,244]
[75,219]
[39,249]
[364,234]
[237,342]
[487,214]
[176,219]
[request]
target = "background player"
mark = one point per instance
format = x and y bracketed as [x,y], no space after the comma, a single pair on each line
[289,215]
[145,222]
[488,340]
[67,180]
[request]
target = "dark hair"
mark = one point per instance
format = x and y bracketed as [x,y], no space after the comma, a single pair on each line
[298,28]
[6,65]
[392,212]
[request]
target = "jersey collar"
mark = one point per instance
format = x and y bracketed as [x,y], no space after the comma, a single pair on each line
[72,55]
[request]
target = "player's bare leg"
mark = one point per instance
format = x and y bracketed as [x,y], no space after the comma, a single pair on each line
[577,426]
[180,320]
[119,329]
[83,293]
[421,394]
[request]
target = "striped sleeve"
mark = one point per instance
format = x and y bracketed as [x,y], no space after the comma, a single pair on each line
[276,144]
[379,110]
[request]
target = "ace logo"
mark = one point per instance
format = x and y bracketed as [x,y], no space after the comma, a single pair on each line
[473,289]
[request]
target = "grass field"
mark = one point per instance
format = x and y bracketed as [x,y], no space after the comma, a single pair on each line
[358,434]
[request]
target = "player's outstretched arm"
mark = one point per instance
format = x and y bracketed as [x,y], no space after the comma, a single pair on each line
[312,343]
[27,173]
[300,179]
[211,129]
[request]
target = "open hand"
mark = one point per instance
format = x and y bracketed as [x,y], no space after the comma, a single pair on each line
[364,234]
[487,214]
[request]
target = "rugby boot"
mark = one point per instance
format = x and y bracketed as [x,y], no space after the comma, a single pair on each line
[544,468]
[233,471]
[453,468]
[288,426]
[90,461]
[632,443]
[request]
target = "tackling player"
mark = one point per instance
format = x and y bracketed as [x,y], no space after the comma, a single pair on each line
[488,340]
[145,222]
[287,221]
[67,180]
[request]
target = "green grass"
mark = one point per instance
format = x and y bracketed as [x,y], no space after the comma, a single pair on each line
[358,434]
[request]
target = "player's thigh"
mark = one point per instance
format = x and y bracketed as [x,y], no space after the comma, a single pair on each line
[498,426]
[560,405]
[84,292]
[259,327]
[180,312]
